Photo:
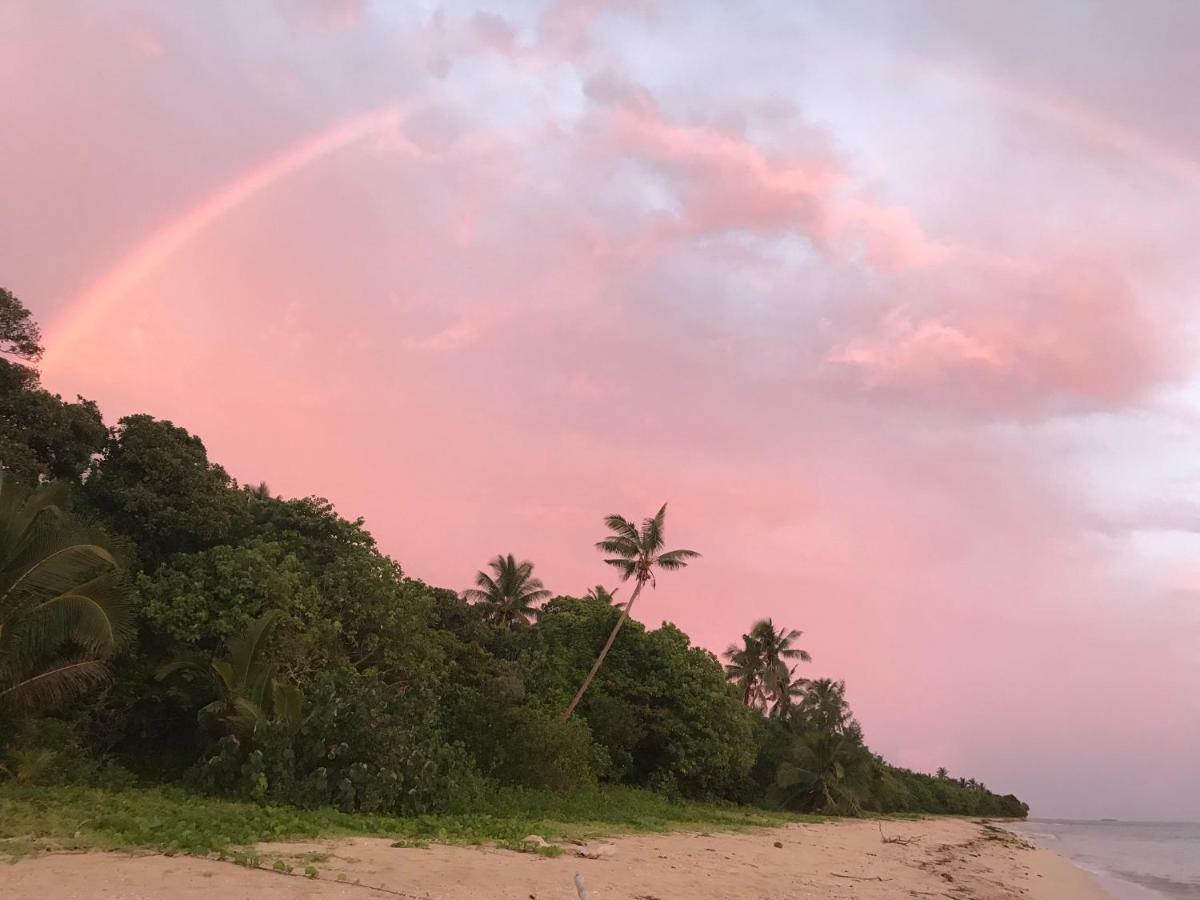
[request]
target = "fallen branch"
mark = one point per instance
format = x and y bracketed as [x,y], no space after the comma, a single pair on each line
[896,839]
[860,877]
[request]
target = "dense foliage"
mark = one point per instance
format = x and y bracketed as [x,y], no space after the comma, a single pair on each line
[265,649]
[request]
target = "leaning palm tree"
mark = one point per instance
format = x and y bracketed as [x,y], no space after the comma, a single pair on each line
[635,554]
[61,609]
[510,594]
[247,689]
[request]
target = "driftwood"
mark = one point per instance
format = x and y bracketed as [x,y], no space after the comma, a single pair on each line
[860,877]
[896,839]
[581,888]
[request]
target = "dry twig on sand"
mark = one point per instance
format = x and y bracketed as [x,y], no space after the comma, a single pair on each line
[896,839]
[860,877]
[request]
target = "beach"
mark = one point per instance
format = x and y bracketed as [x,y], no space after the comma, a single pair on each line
[859,859]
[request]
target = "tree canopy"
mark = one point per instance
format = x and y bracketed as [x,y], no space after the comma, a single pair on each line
[192,630]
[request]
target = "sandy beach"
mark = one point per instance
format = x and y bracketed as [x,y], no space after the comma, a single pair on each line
[938,858]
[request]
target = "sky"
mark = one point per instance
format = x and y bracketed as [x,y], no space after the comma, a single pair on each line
[894,302]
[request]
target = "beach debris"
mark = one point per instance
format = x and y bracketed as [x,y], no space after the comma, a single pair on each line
[580,887]
[896,839]
[596,851]
[860,877]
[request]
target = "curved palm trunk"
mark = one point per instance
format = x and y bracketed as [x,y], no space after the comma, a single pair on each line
[604,652]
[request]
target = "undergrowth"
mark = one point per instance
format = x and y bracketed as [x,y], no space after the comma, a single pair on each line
[170,820]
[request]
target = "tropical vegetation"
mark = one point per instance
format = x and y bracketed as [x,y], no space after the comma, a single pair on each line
[164,629]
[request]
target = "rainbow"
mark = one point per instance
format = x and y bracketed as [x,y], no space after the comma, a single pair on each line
[101,297]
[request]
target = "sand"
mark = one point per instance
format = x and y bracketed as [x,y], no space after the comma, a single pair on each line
[945,858]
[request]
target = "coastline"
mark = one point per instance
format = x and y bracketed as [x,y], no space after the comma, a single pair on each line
[865,859]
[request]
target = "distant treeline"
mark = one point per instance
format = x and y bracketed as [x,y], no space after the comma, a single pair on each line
[160,622]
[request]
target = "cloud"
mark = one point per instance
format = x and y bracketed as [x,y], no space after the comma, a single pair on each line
[1022,341]
[723,181]
[316,16]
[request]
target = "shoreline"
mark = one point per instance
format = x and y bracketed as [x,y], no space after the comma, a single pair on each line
[863,859]
[1112,884]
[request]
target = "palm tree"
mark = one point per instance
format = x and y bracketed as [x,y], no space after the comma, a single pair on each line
[245,683]
[821,773]
[775,650]
[823,707]
[745,669]
[61,610]
[785,690]
[604,595]
[510,594]
[635,554]
[760,667]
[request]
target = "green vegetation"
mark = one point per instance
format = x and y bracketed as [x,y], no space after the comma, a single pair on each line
[263,655]
[170,820]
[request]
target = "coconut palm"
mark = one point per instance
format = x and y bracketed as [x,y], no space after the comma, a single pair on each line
[821,772]
[604,595]
[61,609]
[247,688]
[760,667]
[635,554]
[823,707]
[510,594]
[745,669]
[785,690]
[775,651]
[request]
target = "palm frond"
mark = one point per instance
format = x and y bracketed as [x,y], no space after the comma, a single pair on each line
[652,531]
[246,649]
[627,568]
[21,508]
[621,527]
[56,685]
[619,546]
[183,664]
[675,559]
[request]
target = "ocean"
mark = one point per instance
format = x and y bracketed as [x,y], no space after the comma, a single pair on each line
[1129,860]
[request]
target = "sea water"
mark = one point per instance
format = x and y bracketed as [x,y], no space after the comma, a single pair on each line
[1129,860]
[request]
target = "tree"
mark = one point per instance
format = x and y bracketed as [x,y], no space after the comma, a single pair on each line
[635,554]
[155,484]
[510,594]
[745,669]
[775,651]
[19,333]
[248,692]
[61,609]
[43,437]
[604,595]
[823,708]
[760,667]
[823,773]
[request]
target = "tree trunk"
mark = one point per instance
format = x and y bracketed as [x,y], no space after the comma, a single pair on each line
[604,652]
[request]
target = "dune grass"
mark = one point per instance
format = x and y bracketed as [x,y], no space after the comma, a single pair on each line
[170,820]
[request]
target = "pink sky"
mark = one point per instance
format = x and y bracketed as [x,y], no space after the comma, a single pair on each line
[894,303]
